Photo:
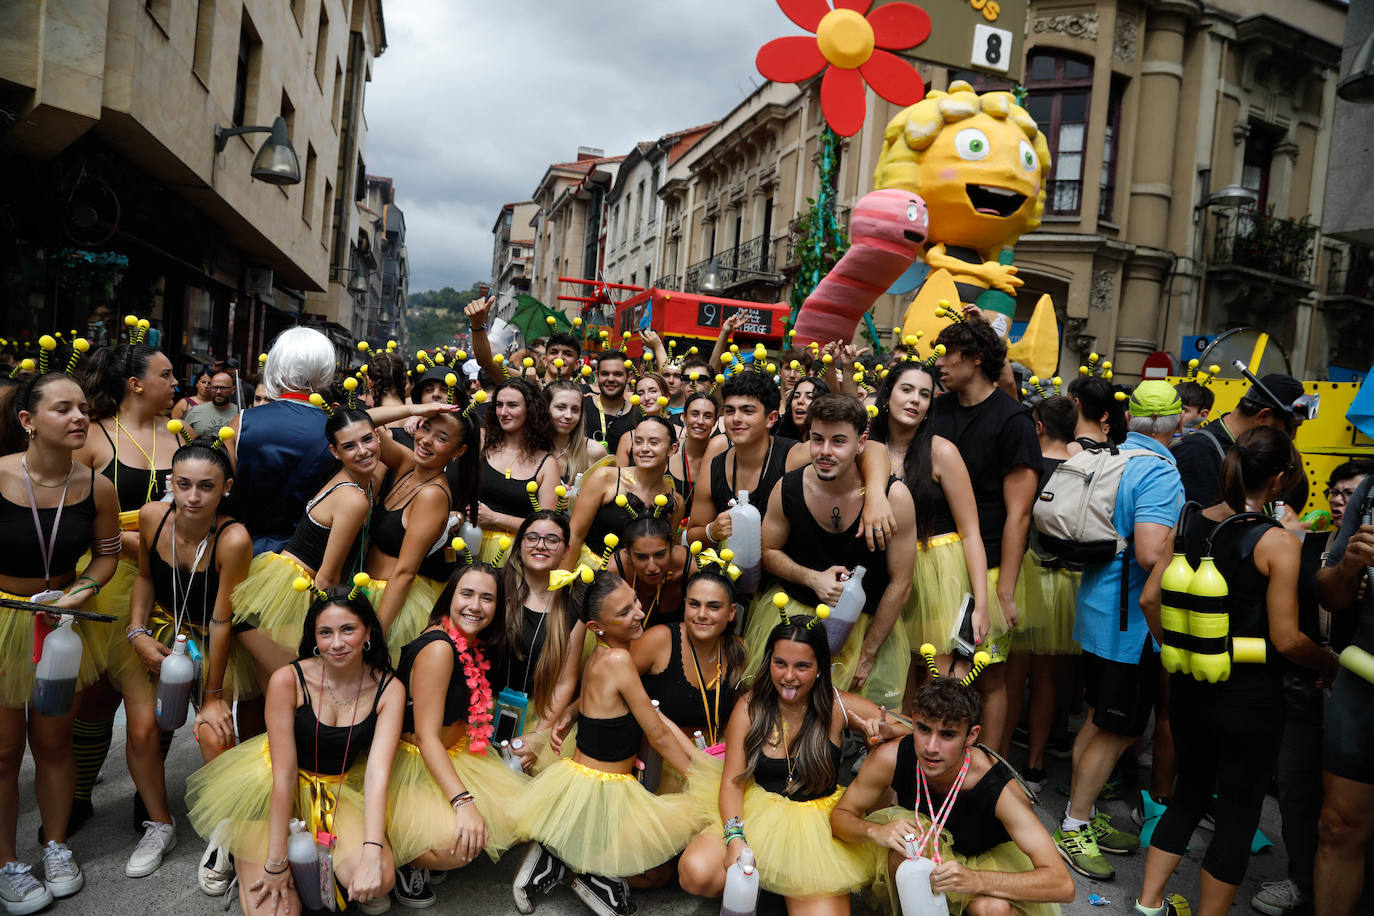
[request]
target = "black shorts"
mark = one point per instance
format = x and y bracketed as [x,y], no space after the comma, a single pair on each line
[1120,693]
[1348,741]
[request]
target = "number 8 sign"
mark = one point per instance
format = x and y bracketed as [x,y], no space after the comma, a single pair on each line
[991,48]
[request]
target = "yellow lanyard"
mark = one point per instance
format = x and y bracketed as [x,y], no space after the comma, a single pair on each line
[712,716]
[152,466]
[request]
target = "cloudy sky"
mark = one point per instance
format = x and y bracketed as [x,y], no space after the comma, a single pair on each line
[473,99]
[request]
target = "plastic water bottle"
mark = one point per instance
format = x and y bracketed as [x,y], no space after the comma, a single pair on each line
[741,897]
[303,856]
[54,685]
[508,754]
[846,611]
[746,540]
[472,535]
[913,886]
[652,761]
[699,740]
[174,687]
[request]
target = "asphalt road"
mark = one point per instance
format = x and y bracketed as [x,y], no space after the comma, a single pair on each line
[103,845]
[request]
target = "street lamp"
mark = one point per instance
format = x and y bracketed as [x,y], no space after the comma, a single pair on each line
[1233,195]
[1358,85]
[711,281]
[276,161]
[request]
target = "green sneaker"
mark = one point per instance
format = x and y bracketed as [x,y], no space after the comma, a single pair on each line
[1109,839]
[1079,849]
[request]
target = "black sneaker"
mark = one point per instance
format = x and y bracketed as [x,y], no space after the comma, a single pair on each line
[1036,779]
[1020,737]
[605,896]
[539,873]
[437,876]
[412,888]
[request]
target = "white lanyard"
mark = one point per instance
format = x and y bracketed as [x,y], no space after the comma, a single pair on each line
[46,550]
[179,604]
[937,818]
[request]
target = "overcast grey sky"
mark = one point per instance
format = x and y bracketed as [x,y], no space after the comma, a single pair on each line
[473,99]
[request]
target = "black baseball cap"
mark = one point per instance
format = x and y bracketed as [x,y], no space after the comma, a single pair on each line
[1283,387]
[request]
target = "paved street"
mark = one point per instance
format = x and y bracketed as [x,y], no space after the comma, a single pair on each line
[104,844]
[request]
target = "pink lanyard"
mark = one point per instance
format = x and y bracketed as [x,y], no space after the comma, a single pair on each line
[938,818]
[46,550]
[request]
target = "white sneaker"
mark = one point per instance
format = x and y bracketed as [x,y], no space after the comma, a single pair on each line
[60,872]
[158,840]
[375,907]
[1278,898]
[216,871]
[20,891]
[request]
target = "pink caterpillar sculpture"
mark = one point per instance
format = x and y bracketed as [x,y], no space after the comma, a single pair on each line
[887,231]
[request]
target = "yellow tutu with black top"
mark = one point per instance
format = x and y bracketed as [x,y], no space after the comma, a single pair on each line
[17,667]
[128,672]
[1005,857]
[418,816]
[229,801]
[886,681]
[939,582]
[602,823]
[1045,600]
[414,614]
[267,600]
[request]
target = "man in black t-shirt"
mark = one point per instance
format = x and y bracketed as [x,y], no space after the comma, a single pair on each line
[996,437]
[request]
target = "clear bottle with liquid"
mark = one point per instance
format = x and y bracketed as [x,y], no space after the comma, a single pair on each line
[174,683]
[741,897]
[54,684]
[913,885]
[303,855]
[746,540]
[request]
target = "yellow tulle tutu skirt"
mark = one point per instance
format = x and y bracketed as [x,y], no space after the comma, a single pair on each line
[266,600]
[414,614]
[1045,601]
[1006,858]
[229,800]
[418,816]
[886,681]
[128,672]
[101,639]
[602,823]
[939,581]
[491,546]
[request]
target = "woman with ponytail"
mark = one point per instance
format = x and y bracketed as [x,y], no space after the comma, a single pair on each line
[52,511]
[1223,711]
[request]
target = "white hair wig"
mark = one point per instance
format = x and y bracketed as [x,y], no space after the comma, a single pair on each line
[301,359]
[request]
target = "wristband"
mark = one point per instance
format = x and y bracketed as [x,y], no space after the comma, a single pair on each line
[216,690]
[135,632]
[372,843]
[460,798]
[221,620]
[478,328]
[276,863]
[281,871]
[84,588]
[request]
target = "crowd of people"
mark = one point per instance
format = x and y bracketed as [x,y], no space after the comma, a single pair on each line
[645,618]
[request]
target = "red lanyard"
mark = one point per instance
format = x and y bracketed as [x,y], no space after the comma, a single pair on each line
[937,818]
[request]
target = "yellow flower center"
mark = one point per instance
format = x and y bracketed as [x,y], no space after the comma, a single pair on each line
[845,39]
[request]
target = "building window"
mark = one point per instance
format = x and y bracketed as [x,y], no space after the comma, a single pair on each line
[1059,87]
[246,74]
[639,210]
[1259,155]
[1111,152]
[308,199]
[326,213]
[338,95]
[322,48]
[205,39]
[288,114]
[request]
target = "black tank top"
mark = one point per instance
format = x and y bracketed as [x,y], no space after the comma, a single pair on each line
[131,483]
[22,558]
[508,495]
[681,702]
[973,820]
[609,740]
[774,466]
[668,603]
[197,590]
[771,775]
[339,746]
[388,533]
[816,547]
[611,519]
[310,539]
[455,695]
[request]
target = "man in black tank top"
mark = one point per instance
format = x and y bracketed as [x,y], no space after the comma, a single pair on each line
[1001,850]
[821,543]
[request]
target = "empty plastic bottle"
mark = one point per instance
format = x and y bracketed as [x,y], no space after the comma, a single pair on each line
[54,685]
[174,683]
[303,855]
[746,540]
[913,886]
[741,897]
[846,611]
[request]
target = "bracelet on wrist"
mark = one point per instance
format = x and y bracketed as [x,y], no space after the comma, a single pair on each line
[281,871]
[219,690]
[460,798]
[135,632]
[372,843]
[277,863]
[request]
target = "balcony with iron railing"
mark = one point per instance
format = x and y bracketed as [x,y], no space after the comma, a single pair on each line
[1352,276]
[1248,239]
[754,261]
[668,281]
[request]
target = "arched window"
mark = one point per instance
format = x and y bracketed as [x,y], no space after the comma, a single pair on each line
[1059,89]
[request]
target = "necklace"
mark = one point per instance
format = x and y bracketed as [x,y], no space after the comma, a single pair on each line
[152,470]
[786,755]
[329,695]
[937,818]
[658,592]
[348,740]
[475,668]
[763,468]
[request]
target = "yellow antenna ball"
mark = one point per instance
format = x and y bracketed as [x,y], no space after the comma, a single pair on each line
[262,358]
[634,400]
[794,366]
[450,380]
[26,365]
[792,333]
[1107,375]
[727,555]
[420,367]
[351,383]
[226,433]
[827,359]
[532,487]
[604,334]
[362,580]
[927,649]
[694,376]
[498,359]
[1120,396]
[780,600]
[1106,365]
[458,545]
[462,355]
[317,399]
[909,340]
[1035,380]
[611,541]
[558,362]
[362,345]
[1082,370]
[1056,381]
[660,500]
[1093,357]
[720,379]
[1213,369]
[550,320]
[480,397]
[81,344]
[629,364]
[822,611]
[421,354]
[131,321]
[144,324]
[47,342]
[734,348]
[175,427]
[858,376]
[662,401]
[527,362]
[625,335]
[560,491]
[300,583]
[587,575]
[577,322]
[621,501]
[1194,363]
[695,548]
[940,350]
[760,348]
[982,658]
[727,357]
[692,351]
[586,370]
[503,543]
[872,410]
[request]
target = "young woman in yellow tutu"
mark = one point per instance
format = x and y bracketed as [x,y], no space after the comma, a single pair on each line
[963,809]
[612,496]
[588,813]
[52,511]
[782,757]
[516,438]
[450,788]
[655,567]
[333,724]
[411,516]
[950,562]
[191,557]
[328,546]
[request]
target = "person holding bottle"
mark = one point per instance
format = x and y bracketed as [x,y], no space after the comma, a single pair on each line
[52,511]
[333,724]
[450,788]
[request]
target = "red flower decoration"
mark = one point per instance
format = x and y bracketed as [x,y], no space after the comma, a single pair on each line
[475,668]
[847,43]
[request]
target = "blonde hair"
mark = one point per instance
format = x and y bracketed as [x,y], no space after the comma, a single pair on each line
[576,457]
[914,129]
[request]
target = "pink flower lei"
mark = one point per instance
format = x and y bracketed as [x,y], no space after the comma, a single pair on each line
[475,669]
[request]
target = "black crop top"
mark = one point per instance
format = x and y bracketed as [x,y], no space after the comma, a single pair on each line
[774,466]
[973,820]
[771,775]
[455,695]
[339,746]
[310,539]
[387,529]
[681,702]
[609,740]
[508,495]
[197,590]
[611,519]
[23,559]
[131,483]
